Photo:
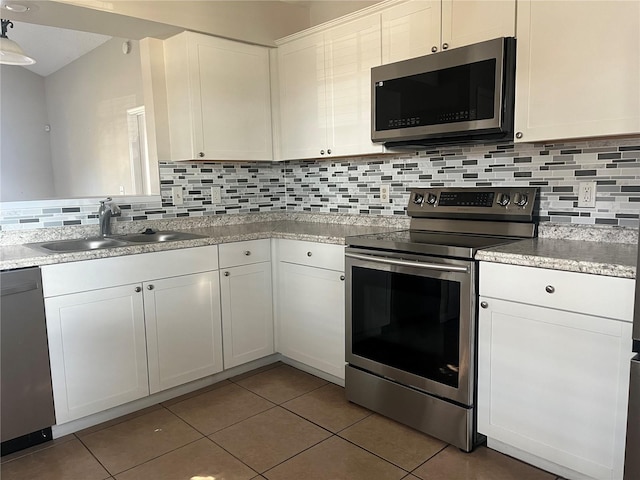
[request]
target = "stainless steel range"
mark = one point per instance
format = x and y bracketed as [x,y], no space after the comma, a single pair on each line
[412,306]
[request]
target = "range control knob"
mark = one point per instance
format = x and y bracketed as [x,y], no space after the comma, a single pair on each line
[520,199]
[418,199]
[431,199]
[503,199]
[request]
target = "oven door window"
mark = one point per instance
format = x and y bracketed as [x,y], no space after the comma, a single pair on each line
[408,322]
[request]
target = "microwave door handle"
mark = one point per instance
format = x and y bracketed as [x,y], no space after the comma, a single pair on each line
[408,263]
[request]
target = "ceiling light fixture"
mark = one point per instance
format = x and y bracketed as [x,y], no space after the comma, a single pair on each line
[10,51]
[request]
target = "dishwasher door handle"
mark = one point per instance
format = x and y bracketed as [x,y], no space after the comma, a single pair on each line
[443,267]
[6,290]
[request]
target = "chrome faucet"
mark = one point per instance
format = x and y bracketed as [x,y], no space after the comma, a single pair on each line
[107,209]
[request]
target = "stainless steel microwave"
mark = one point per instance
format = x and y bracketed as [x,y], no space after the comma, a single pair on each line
[461,95]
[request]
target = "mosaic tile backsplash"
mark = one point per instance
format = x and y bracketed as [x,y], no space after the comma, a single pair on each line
[351,185]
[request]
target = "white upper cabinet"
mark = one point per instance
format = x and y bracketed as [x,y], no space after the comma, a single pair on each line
[325,91]
[218,99]
[303,103]
[465,22]
[421,27]
[578,69]
[410,29]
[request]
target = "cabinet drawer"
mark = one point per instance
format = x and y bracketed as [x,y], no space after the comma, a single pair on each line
[244,253]
[88,275]
[322,255]
[599,295]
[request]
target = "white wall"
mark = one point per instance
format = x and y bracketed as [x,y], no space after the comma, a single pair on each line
[87,104]
[25,161]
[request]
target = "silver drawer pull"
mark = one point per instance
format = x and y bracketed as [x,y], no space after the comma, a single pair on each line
[484,304]
[342,277]
[149,287]
[247,252]
[309,254]
[550,289]
[138,289]
[226,274]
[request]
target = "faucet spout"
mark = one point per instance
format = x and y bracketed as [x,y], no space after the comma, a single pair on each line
[107,209]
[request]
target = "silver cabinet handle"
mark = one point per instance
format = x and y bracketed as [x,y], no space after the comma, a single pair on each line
[201,154]
[226,274]
[342,277]
[549,289]
[408,263]
[434,49]
[309,254]
[138,289]
[247,252]
[321,152]
[484,304]
[329,151]
[149,287]
[445,46]
[519,135]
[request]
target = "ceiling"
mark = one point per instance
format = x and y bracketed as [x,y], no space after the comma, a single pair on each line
[53,47]
[49,30]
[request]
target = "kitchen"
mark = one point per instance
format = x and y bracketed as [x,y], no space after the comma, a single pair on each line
[295,188]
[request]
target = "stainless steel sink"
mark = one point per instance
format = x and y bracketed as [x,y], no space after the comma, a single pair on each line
[155,237]
[94,243]
[80,244]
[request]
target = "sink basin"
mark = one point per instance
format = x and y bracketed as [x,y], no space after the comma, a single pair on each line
[156,237]
[80,244]
[94,243]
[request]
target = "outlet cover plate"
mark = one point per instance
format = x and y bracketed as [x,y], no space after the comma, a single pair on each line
[176,194]
[216,195]
[587,194]
[385,193]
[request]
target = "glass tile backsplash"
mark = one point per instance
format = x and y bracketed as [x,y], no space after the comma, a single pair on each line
[352,185]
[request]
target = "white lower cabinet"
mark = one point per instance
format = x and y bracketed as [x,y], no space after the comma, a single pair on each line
[183,329]
[247,301]
[121,328]
[310,304]
[553,379]
[97,350]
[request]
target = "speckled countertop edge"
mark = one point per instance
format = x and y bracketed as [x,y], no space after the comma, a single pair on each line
[20,256]
[599,251]
[596,258]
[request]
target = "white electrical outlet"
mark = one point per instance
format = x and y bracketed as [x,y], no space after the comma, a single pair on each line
[384,193]
[587,194]
[178,197]
[216,195]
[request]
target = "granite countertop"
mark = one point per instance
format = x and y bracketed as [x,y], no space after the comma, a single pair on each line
[20,256]
[597,258]
[592,251]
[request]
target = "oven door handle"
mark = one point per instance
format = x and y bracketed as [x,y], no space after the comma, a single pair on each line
[408,263]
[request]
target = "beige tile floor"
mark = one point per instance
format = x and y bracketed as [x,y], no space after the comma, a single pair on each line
[274,423]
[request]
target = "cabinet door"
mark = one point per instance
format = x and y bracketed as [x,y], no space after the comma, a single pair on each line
[311,317]
[411,29]
[184,338]
[97,350]
[247,313]
[578,69]
[303,105]
[351,51]
[219,99]
[235,99]
[554,384]
[465,22]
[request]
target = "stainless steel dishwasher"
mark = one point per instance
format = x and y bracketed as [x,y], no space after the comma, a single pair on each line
[26,396]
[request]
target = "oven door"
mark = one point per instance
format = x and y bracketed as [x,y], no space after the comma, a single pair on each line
[411,319]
